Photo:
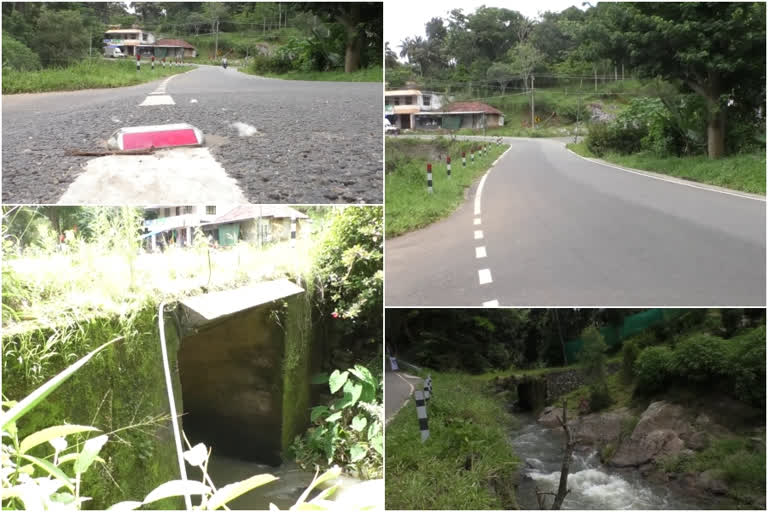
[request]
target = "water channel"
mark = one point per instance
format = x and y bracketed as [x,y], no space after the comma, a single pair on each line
[592,484]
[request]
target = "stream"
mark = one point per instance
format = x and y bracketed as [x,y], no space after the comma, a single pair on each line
[592,485]
[292,482]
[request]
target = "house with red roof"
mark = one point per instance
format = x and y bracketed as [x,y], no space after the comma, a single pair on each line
[467,114]
[412,109]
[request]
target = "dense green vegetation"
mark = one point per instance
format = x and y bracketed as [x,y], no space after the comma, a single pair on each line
[654,81]
[744,172]
[409,205]
[466,463]
[373,74]
[262,37]
[62,299]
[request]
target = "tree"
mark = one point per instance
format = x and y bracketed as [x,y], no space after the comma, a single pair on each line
[715,49]
[523,59]
[501,73]
[60,37]
[361,21]
[214,11]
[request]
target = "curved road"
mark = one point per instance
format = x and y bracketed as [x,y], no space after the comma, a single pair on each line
[317,142]
[398,388]
[554,229]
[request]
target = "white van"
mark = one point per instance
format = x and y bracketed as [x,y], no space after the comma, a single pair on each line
[114,52]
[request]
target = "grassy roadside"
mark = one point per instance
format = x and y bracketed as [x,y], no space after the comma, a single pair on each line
[362,75]
[739,172]
[408,205]
[466,463]
[89,74]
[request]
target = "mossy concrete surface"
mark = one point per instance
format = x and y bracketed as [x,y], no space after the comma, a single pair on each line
[121,391]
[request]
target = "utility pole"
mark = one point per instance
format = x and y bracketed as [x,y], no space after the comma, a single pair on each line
[594,68]
[533,121]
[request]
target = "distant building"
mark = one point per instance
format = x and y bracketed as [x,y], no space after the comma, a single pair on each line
[223,224]
[133,41]
[470,114]
[402,107]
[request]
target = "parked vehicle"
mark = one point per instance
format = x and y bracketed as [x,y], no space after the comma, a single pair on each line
[389,128]
[114,52]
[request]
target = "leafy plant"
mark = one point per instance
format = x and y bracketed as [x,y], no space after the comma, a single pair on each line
[348,432]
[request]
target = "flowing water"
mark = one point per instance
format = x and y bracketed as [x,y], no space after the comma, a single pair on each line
[351,492]
[592,485]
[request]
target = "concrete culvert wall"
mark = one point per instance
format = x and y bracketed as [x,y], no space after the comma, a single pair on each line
[532,394]
[245,376]
[123,387]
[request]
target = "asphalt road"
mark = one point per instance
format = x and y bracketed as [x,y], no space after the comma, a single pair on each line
[318,142]
[398,388]
[559,230]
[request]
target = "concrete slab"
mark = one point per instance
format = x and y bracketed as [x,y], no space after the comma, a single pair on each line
[171,176]
[211,306]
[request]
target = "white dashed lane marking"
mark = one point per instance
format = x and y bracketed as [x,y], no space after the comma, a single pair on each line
[485,276]
[477,222]
[159,95]
[480,252]
[478,234]
[491,304]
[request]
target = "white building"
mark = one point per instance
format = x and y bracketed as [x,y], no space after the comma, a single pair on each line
[402,106]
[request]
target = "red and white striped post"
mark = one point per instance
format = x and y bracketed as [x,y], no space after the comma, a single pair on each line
[163,61]
[429,178]
[138,62]
[153,63]
[472,155]
[463,158]
[448,164]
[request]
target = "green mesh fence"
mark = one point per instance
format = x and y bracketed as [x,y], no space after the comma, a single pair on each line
[633,324]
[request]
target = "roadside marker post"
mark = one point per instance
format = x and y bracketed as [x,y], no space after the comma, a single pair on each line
[159,136]
[448,163]
[472,156]
[429,178]
[428,388]
[153,63]
[163,61]
[138,62]
[293,231]
[421,413]
[463,158]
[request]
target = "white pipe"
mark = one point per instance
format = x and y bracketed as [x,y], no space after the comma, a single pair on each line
[169,387]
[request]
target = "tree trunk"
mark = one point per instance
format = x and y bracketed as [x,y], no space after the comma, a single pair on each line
[562,489]
[354,41]
[715,130]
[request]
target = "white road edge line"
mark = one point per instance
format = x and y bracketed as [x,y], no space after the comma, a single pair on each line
[479,192]
[485,276]
[668,180]
[491,303]
[480,252]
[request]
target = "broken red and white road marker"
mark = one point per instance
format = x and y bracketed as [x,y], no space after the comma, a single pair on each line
[158,136]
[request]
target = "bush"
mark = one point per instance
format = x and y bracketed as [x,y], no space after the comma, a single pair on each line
[614,138]
[701,358]
[731,319]
[571,110]
[599,397]
[629,353]
[653,368]
[748,366]
[18,56]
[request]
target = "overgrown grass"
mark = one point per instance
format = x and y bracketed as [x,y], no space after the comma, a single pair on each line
[88,74]
[408,204]
[466,463]
[374,74]
[745,172]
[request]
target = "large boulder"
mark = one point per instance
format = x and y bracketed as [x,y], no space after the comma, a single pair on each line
[659,432]
[550,417]
[711,481]
[599,428]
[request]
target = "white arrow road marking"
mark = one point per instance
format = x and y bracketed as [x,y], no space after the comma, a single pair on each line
[485,276]
[167,176]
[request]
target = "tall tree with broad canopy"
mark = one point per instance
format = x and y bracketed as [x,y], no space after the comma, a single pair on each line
[715,49]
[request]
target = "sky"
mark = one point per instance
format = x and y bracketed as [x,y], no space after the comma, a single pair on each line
[406,18]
